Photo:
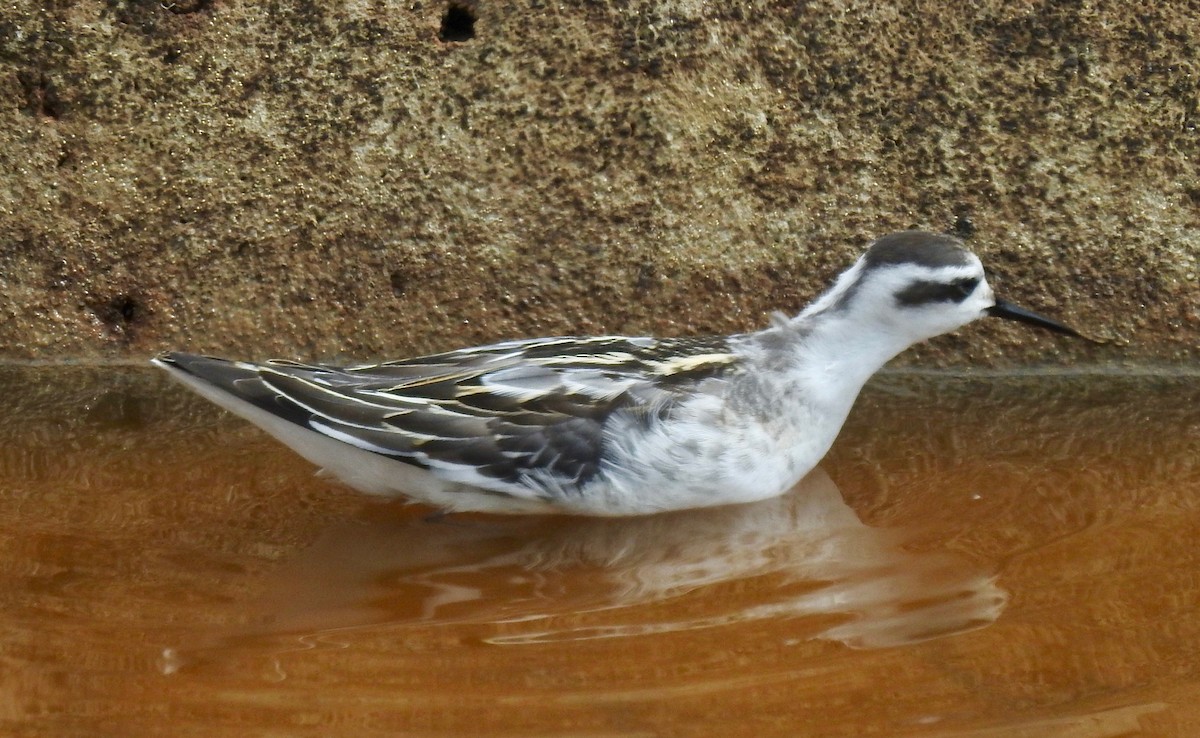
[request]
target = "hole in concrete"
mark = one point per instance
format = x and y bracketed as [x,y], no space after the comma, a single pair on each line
[120,313]
[458,24]
[399,282]
[964,227]
[187,7]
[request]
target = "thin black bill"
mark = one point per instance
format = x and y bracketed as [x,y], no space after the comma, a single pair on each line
[1009,311]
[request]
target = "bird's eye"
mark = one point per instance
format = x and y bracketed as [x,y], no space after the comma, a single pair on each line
[966,286]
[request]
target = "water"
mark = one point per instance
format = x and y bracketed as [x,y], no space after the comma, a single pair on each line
[987,556]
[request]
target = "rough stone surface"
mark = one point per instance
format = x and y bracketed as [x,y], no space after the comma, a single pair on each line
[371,180]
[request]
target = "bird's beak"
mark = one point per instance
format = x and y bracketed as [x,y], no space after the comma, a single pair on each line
[1009,311]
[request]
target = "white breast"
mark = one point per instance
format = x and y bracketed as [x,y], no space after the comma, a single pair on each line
[712,450]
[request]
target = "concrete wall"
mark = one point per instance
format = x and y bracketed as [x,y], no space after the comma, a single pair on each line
[372,180]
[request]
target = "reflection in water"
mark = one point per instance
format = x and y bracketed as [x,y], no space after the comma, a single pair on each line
[133,516]
[803,556]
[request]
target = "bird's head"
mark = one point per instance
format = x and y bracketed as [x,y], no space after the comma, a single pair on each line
[916,285]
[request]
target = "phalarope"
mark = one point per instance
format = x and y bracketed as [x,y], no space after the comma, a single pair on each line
[614,425]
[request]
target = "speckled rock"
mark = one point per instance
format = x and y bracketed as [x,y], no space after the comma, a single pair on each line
[368,179]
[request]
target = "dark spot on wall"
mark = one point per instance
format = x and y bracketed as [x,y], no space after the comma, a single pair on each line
[458,24]
[66,158]
[399,282]
[646,278]
[187,7]
[120,314]
[963,227]
[41,94]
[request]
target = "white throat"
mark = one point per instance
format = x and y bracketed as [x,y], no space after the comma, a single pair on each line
[840,354]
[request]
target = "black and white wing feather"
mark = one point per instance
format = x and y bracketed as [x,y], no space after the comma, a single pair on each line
[522,418]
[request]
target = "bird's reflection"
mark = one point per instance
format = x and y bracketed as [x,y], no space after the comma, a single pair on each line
[804,556]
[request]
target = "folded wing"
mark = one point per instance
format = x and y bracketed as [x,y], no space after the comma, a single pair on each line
[521,418]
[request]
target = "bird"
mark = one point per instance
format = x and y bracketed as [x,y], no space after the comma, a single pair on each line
[614,425]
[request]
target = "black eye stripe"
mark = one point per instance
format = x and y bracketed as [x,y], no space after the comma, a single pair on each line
[921,293]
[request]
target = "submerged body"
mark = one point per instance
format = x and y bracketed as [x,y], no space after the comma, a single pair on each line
[613,425]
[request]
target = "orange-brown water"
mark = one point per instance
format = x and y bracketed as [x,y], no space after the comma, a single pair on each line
[978,556]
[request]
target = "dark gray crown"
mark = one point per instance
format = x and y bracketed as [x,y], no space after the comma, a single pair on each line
[931,250]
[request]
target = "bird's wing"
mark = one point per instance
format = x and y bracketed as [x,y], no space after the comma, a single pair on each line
[515,417]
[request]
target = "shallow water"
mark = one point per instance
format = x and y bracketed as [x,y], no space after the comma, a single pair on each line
[980,556]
